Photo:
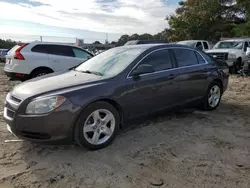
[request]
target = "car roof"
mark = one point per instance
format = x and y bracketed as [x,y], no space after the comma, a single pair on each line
[55,43]
[192,41]
[148,46]
[234,40]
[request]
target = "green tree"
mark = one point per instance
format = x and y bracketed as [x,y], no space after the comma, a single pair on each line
[7,43]
[206,19]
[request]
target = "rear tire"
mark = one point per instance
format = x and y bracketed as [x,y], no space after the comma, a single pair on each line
[99,120]
[40,72]
[213,96]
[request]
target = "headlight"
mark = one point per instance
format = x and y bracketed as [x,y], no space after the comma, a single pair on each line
[231,56]
[44,105]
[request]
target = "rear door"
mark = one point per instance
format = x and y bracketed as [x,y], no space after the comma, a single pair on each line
[81,55]
[193,72]
[40,56]
[61,57]
[154,91]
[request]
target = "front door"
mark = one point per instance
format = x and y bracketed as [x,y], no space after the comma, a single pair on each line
[154,91]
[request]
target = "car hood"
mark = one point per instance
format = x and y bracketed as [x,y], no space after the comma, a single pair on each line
[221,50]
[55,82]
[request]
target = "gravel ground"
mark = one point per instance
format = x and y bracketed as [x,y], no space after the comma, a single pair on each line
[185,149]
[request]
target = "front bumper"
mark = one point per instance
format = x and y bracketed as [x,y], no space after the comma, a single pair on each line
[52,127]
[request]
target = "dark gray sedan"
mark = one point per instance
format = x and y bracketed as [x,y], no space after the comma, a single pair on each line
[90,104]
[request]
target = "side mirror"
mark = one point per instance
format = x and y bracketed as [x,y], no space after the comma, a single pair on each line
[248,51]
[142,69]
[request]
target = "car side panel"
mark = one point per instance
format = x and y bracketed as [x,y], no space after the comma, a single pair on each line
[193,82]
[150,93]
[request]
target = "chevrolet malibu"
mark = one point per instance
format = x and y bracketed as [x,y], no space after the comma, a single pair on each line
[89,104]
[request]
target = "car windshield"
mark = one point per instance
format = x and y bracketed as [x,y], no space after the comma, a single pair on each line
[229,45]
[188,43]
[111,62]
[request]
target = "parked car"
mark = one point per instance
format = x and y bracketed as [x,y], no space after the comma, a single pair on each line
[3,53]
[198,44]
[38,58]
[137,42]
[92,102]
[232,51]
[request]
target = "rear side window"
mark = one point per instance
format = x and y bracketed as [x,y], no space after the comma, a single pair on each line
[159,60]
[200,58]
[205,45]
[40,49]
[81,53]
[60,50]
[185,57]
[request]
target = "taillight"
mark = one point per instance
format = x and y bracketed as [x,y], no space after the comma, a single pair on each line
[18,54]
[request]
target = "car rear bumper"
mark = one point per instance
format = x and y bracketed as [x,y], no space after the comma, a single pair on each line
[17,76]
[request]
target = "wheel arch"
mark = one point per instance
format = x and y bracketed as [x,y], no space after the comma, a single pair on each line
[219,81]
[41,67]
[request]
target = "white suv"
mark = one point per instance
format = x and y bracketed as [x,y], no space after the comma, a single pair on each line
[38,58]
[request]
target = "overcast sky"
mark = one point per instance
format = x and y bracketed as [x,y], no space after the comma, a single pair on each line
[87,19]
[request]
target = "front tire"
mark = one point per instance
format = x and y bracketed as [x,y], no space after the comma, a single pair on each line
[97,126]
[213,96]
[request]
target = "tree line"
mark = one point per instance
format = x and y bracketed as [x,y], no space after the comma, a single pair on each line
[203,20]
[6,44]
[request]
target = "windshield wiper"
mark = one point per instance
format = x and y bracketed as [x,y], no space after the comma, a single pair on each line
[92,72]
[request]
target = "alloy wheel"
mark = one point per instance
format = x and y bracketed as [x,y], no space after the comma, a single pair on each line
[41,74]
[99,126]
[214,96]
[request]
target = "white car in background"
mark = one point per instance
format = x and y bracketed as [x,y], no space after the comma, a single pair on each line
[39,58]
[198,44]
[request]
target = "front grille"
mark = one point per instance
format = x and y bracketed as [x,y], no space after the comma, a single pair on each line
[219,56]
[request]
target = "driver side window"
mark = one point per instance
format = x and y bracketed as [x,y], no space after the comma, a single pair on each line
[159,60]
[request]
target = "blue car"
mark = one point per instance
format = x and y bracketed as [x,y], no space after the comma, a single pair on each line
[3,53]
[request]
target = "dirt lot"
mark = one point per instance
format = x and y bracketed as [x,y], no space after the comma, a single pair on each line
[186,149]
